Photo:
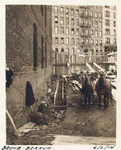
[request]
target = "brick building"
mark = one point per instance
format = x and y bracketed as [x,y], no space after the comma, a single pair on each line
[109,28]
[84,33]
[28,54]
[91,30]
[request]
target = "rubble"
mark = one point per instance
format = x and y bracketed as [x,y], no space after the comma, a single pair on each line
[44,127]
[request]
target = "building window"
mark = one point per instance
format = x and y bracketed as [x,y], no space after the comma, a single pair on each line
[114,15]
[92,42]
[56,40]
[114,24]
[100,15]
[82,31]
[62,50]
[42,52]
[100,42]
[82,12]
[91,33]
[67,40]
[72,11]
[67,30]
[56,9]
[67,21]
[67,10]
[72,41]
[92,51]
[86,13]
[96,15]
[56,30]
[107,6]
[107,31]
[83,41]
[96,33]
[56,49]
[100,34]
[101,52]
[86,51]
[77,31]
[72,31]
[114,32]
[107,40]
[87,41]
[107,14]
[62,20]
[77,11]
[91,14]
[35,45]
[42,9]
[96,24]
[62,10]
[77,41]
[73,50]
[114,40]
[91,23]
[56,19]
[67,50]
[82,21]
[107,22]
[72,21]
[77,21]
[87,32]
[96,51]
[100,24]
[114,7]
[62,40]
[86,23]
[96,42]
[62,30]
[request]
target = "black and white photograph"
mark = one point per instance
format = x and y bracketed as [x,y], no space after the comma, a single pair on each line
[61,74]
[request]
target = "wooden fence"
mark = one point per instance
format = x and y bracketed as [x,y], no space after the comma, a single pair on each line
[77,62]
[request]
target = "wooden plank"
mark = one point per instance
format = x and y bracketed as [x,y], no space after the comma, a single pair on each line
[91,69]
[68,65]
[62,106]
[56,91]
[72,64]
[12,122]
[26,128]
[62,91]
[98,66]
[80,140]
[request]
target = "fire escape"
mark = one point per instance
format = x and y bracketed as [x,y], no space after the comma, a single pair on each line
[85,30]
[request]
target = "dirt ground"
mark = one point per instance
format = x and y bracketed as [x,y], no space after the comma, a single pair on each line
[73,120]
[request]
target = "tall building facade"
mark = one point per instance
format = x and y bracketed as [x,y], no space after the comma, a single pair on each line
[83,30]
[109,29]
[91,30]
[65,29]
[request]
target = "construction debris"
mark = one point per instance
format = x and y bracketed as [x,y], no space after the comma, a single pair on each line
[26,128]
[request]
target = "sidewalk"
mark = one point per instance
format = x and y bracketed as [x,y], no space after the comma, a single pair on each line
[82,140]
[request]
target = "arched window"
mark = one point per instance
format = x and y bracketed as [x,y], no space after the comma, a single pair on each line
[35,45]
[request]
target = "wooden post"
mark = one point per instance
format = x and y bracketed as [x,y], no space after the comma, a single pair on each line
[12,122]
[65,102]
[62,92]
[56,91]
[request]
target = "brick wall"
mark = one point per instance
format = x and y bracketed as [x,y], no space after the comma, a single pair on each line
[26,25]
